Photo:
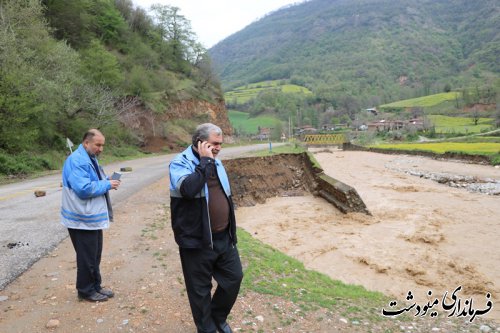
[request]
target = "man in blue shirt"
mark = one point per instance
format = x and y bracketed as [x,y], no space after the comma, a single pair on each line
[86,210]
[204,226]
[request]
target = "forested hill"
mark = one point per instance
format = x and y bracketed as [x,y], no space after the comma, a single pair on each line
[66,66]
[376,50]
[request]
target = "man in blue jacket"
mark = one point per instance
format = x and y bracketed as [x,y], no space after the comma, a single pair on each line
[204,226]
[86,211]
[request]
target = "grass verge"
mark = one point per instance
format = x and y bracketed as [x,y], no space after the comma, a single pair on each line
[490,149]
[268,271]
[476,148]
[289,148]
[29,165]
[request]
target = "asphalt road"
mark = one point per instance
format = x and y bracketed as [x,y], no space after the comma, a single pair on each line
[30,227]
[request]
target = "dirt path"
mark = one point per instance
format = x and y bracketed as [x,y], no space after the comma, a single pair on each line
[422,235]
[141,264]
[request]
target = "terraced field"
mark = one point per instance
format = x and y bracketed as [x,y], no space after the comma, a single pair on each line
[245,93]
[424,101]
[460,125]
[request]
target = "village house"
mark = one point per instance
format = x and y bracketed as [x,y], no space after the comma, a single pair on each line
[392,125]
[264,134]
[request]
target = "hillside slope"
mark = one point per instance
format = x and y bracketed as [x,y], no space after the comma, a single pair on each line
[378,49]
[66,66]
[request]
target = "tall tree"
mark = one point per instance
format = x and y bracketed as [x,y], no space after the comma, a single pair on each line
[176,30]
[101,66]
[70,20]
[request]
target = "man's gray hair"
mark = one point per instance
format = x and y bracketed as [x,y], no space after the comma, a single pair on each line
[203,131]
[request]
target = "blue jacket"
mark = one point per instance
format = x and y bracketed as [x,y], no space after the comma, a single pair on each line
[84,203]
[189,199]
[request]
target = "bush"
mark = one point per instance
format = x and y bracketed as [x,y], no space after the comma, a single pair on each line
[495,159]
[412,137]
[123,151]
[27,163]
[138,81]
[97,57]
[364,138]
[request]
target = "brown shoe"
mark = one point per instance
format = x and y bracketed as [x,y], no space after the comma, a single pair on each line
[106,292]
[95,297]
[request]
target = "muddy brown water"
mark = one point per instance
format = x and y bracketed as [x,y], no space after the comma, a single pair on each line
[422,236]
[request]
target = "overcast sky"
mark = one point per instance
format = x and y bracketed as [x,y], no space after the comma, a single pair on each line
[214,20]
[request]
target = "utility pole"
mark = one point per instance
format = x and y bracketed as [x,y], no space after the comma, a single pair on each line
[298,117]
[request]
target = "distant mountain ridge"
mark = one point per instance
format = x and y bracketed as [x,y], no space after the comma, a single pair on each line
[377,50]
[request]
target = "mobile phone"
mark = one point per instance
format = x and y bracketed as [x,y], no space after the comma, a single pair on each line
[116,176]
[195,142]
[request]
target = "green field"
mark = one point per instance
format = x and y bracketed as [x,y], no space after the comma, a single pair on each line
[475,148]
[245,93]
[473,139]
[245,125]
[424,101]
[445,124]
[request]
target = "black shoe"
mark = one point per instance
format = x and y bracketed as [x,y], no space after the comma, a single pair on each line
[224,328]
[95,297]
[106,292]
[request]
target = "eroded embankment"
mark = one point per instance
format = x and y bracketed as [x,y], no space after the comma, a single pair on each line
[477,159]
[488,186]
[254,179]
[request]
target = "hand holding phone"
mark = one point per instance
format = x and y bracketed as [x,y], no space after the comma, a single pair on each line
[205,149]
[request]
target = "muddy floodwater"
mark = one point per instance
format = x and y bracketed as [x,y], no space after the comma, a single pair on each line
[422,235]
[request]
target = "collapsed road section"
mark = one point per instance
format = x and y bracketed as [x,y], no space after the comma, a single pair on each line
[254,179]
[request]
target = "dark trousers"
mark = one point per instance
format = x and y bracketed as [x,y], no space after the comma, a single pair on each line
[88,248]
[199,266]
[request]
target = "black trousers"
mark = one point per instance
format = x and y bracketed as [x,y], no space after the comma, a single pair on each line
[199,266]
[88,248]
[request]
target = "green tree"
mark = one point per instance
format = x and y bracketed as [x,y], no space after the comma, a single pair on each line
[140,22]
[44,97]
[71,21]
[17,111]
[350,105]
[109,25]
[175,29]
[34,74]
[126,8]
[137,82]
[497,114]
[85,69]
[276,131]
[475,115]
[206,78]
[467,97]
[100,66]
